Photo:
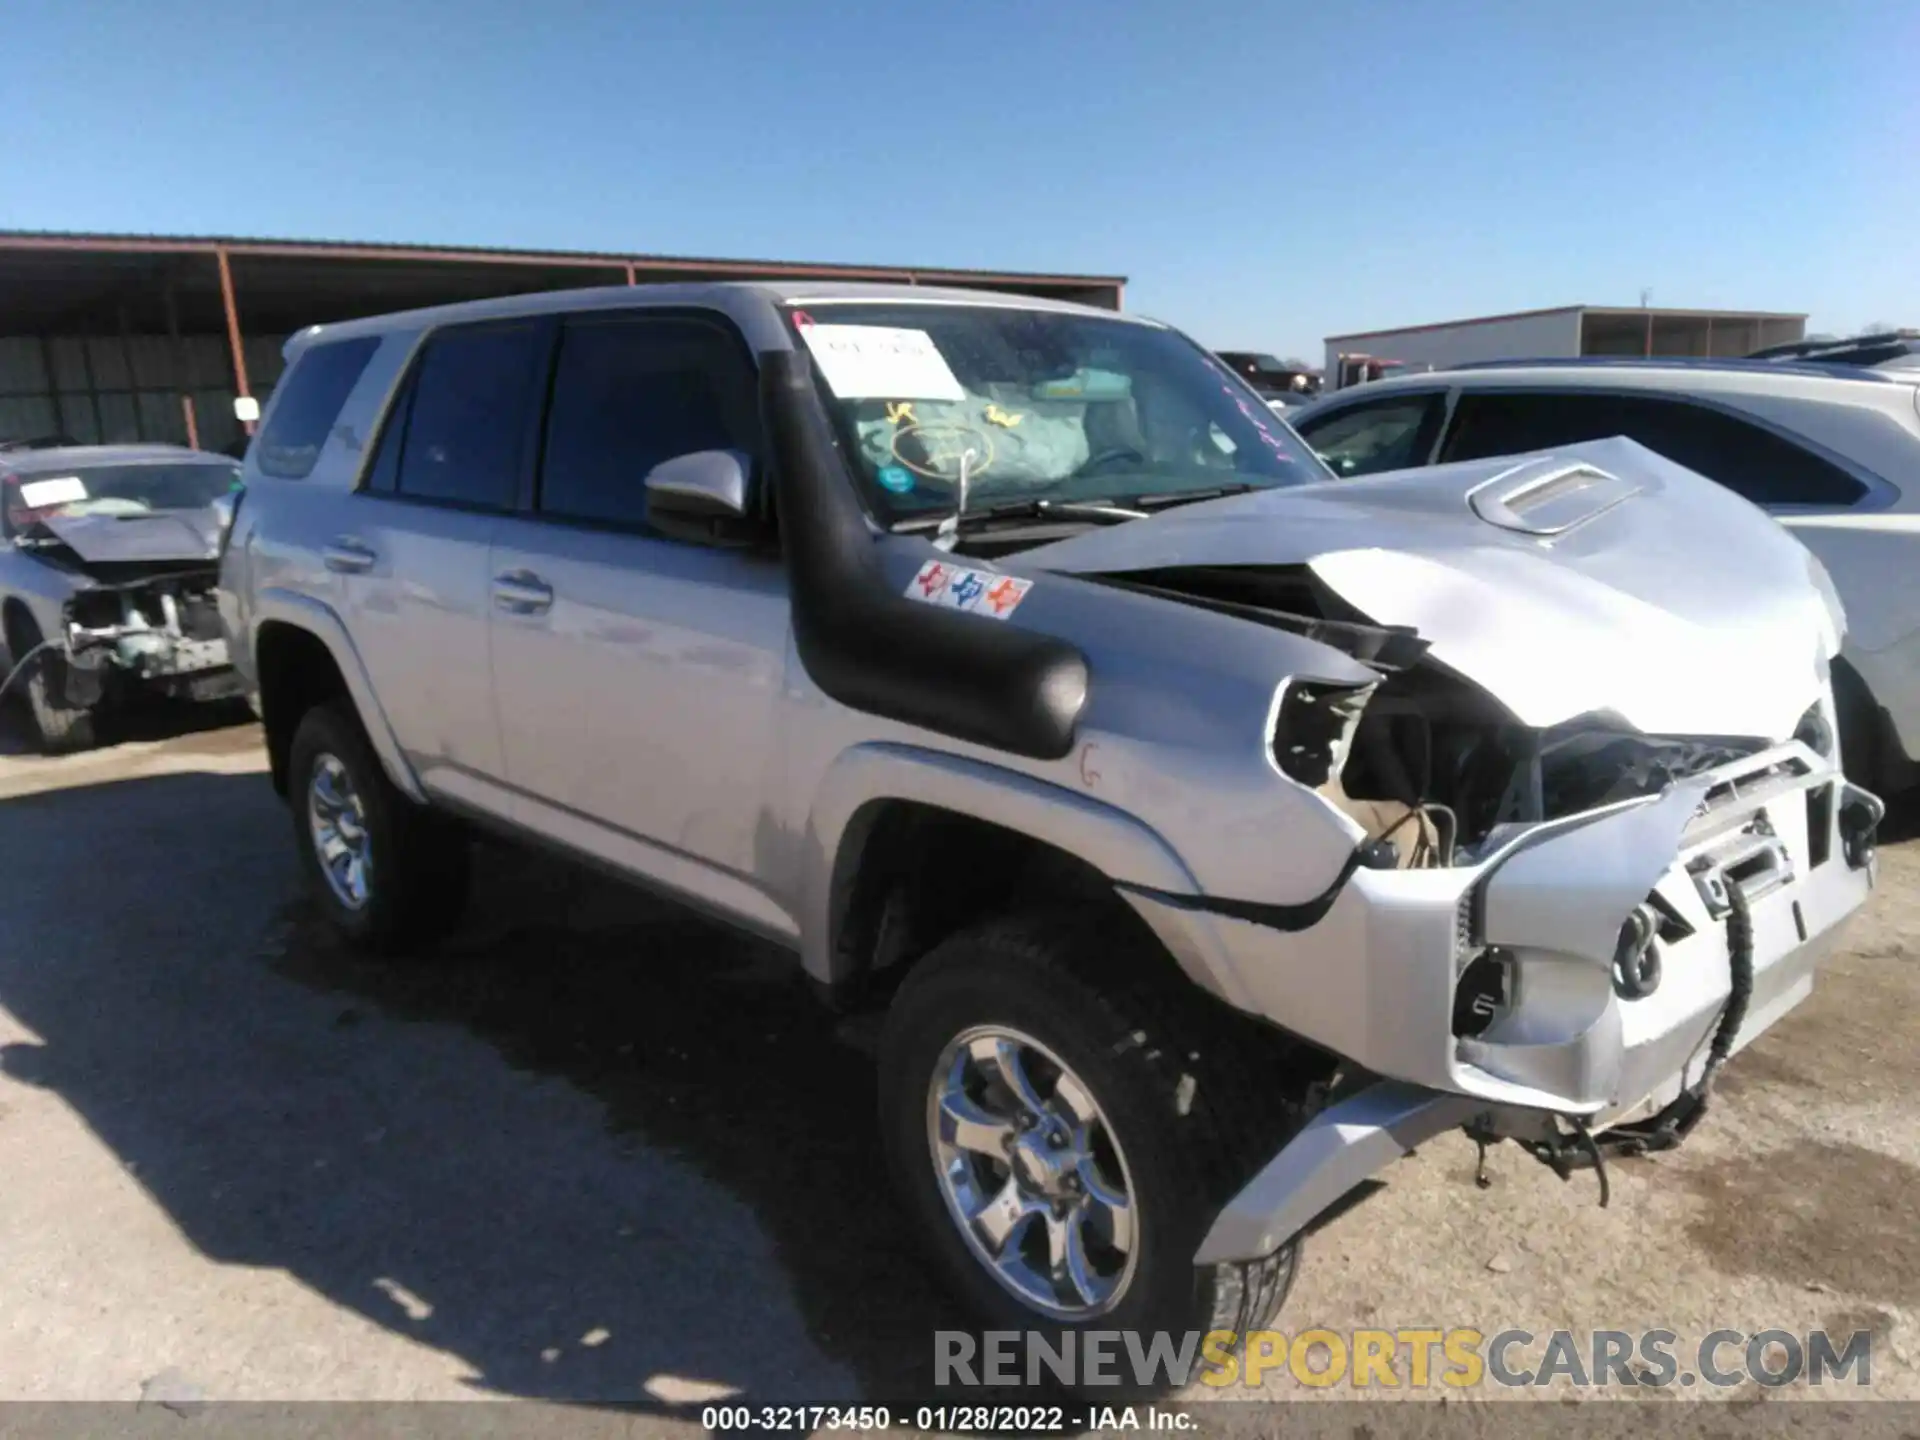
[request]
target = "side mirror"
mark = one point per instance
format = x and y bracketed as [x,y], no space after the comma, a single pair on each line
[702,497]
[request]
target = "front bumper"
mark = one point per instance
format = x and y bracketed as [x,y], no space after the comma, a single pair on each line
[1375,979]
[151,661]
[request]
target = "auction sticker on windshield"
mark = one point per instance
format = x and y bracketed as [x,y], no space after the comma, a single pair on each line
[881,362]
[63,491]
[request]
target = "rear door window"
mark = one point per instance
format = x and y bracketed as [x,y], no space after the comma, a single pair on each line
[307,406]
[631,391]
[1747,458]
[466,422]
[1388,434]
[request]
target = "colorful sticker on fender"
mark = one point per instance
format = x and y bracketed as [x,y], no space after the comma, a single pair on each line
[957,587]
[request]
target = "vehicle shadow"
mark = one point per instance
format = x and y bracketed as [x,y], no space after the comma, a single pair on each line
[1902,820]
[674,1177]
[145,719]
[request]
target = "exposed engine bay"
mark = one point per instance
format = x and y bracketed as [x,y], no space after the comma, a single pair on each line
[1431,767]
[136,593]
[163,628]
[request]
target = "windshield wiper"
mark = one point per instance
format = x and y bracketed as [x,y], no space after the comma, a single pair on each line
[1190,497]
[1100,512]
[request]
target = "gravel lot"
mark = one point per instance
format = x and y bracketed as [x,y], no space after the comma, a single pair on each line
[600,1150]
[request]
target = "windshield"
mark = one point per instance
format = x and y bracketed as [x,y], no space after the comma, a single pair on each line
[114,490]
[1036,404]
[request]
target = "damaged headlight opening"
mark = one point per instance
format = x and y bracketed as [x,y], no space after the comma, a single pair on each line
[1429,765]
[153,627]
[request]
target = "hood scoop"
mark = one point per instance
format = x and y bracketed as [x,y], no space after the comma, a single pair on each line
[1548,497]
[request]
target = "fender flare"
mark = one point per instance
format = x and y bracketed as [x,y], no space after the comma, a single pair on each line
[43,608]
[1118,845]
[317,618]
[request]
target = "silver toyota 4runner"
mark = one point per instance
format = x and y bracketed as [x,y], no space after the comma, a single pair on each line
[1212,832]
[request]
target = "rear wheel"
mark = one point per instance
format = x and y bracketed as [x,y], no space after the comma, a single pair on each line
[1063,1124]
[387,873]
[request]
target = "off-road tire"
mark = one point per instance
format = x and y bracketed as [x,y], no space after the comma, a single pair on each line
[420,861]
[60,728]
[1198,1098]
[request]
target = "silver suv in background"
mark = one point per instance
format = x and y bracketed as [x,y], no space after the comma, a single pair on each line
[1211,831]
[1832,451]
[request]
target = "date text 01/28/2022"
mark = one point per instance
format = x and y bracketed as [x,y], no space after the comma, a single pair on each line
[985,1419]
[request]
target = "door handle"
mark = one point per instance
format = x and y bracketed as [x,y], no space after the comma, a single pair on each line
[348,556]
[521,592]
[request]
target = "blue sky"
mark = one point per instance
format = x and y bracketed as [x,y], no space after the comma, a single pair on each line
[1266,173]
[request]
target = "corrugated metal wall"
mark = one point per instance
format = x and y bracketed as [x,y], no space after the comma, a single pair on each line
[103,389]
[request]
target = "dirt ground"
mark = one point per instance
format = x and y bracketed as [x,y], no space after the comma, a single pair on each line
[599,1150]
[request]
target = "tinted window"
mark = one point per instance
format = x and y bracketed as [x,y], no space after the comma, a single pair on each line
[308,404]
[469,415]
[383,475]
[1749,460]
[1385,435]
[631,392]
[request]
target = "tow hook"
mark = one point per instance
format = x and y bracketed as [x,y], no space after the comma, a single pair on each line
[1583,1149]
[1860,815]
[1636,961]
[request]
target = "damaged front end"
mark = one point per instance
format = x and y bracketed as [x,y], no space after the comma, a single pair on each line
[1429,765]
[161,631]
[1546,931]
[141,609]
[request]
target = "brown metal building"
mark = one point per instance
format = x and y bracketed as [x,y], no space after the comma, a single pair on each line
[151,337]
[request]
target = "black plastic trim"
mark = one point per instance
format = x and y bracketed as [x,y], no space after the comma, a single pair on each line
[1258,912]
[872,649]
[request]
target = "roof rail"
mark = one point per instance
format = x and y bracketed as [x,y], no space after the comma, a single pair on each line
[1830,345]
[1857,350]
[1831,370]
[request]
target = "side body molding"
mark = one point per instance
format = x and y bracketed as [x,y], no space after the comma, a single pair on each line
[1109,839]
[318,619]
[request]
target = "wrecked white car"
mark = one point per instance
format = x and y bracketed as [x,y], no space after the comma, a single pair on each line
[108,557]
[1211,831]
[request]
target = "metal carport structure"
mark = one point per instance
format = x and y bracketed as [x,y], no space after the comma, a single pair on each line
[151,337]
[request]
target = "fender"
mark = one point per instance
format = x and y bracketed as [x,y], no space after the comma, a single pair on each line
[1114,842]
[38,589]
[318,619]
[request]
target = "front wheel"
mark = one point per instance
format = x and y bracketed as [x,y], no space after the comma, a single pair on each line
[1063,1132]
[60,727]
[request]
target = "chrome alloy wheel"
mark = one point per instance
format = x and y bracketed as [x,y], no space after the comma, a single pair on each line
[339,826]
[1032,1173]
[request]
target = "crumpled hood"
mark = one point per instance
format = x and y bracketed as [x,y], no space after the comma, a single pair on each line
[168,535]
[1600,578]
